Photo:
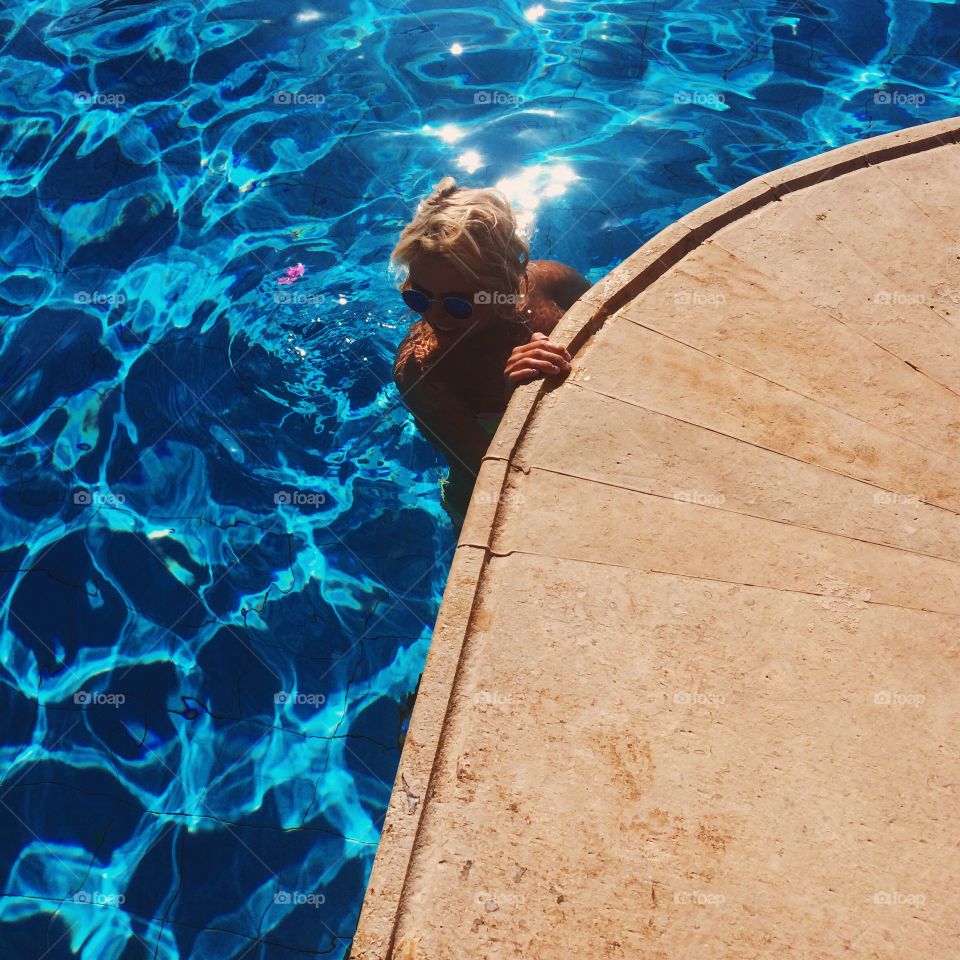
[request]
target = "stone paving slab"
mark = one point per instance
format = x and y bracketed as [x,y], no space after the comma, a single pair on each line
[722,305]
[668,767]
[655,453]
[936,194]
[672,535]
[801,252]
[693,689]
[700,389]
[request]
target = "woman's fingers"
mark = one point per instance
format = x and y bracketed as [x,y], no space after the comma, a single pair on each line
[538,358]
[541,353]
[520,376]
[535,367]
[537,346]
[532,352]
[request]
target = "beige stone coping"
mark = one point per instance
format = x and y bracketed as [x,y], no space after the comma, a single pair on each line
[692,690]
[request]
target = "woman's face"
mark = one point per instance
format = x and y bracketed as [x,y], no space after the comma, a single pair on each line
[437,278]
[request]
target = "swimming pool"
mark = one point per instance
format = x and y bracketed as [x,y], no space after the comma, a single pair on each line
[223,549]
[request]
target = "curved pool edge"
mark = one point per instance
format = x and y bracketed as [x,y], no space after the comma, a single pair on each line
[388,888]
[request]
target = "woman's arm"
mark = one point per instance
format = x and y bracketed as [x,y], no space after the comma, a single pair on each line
[443,418]
[553,289]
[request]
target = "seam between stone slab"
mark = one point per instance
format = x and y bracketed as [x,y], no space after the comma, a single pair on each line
[751,443]
[897,183]
[744,513]
[837,313]
[868,266]
[799,393]
[576,327]
[735,583]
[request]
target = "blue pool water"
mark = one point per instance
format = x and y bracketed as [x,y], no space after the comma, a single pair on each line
[222,546]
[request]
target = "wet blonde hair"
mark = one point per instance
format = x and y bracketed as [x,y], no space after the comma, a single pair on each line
[476,231]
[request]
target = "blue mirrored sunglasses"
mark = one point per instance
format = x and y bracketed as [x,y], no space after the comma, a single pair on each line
[455,306]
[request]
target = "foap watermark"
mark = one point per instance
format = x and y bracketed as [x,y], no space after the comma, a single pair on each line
[699,298]
[898,98]
[888,698]
[493,698]
[298,898]
[496,297]
[90,698]
[99,899]
[87,99]
[299,498]
[694,698]
[897,298]
[894,898]
[294,98]
[699,98]
[700,898]
[298,298]
[99,299]
[310,699]
[486,98]
[94,498]
[511,498]
[493,900]
[703,498]
[884,496]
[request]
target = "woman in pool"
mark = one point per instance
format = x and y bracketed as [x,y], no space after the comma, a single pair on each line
[486,313]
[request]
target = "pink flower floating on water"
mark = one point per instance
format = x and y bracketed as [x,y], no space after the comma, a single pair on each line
[293,273]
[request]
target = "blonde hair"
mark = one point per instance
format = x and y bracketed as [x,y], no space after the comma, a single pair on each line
[476,231]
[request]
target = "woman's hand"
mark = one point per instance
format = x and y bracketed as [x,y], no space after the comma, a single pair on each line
[537,358]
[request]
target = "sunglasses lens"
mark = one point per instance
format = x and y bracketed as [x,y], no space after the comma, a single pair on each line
[415,300]
[461,309]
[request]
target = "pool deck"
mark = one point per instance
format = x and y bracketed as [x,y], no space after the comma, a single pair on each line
[693,689]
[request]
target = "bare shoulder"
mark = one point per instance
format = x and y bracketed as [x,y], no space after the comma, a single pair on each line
[553,288]
[557,281]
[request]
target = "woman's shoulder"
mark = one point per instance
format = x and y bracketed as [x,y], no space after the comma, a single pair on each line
[538,314]
[552,289]
[557,281]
